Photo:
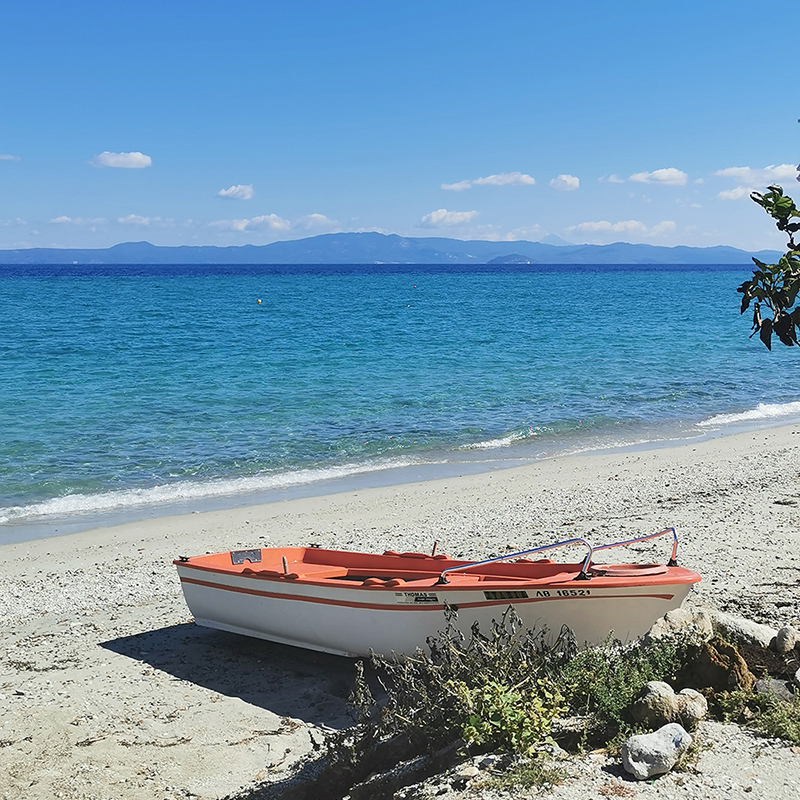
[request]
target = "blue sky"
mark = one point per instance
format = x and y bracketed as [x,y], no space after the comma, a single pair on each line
[249,122]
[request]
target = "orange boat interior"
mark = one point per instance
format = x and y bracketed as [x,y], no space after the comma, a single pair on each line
[392,570]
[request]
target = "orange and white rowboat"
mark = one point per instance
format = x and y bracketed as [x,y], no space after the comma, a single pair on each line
[352,603]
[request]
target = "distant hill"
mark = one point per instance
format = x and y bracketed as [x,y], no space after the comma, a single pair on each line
[513,258]
[379,248]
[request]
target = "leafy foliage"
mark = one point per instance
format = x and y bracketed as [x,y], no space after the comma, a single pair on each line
[603,681]
[766,713]
[494,691]
[775,286]
[780,719]
[503,690]
[537,771]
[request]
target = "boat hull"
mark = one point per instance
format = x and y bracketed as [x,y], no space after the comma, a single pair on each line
[326,614]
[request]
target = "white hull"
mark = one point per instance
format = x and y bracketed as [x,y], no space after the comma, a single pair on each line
[354,621]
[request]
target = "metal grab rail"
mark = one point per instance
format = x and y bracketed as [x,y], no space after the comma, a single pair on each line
[673,560]
[583,575]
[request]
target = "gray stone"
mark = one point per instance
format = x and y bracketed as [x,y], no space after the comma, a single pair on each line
[569,731]
[658,704]
[650,754]
[692,707]
[655,704]
[781,689]
[682,619]
[786,640]
[467,771]
[742,631]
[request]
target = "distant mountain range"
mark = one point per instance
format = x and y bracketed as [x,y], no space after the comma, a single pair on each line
[379,248]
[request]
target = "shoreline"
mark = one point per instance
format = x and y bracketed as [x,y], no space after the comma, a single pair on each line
[108,688]
[437,465]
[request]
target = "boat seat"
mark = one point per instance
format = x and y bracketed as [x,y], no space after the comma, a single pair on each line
[437,557]
[389,583]
[314,572]
[627,570]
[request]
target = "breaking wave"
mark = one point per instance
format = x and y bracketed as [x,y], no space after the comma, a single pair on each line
[763,411]
[183,491]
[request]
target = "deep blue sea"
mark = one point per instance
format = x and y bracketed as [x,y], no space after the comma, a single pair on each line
[134,390]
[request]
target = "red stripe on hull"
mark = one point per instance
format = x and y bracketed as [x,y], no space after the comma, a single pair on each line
[407,607]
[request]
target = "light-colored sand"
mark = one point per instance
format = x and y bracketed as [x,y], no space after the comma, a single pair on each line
[107,690]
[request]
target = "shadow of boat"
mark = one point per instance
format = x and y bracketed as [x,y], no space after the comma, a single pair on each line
[288,681]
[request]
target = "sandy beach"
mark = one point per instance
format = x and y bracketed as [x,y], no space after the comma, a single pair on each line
[108,690]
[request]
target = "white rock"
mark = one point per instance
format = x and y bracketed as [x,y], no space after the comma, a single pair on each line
[468,771]
[658,704]
[651,754]
[742,631]
[680,619]
[656,701]
[692,707]
[786,640]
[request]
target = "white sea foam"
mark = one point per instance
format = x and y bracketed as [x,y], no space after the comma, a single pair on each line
[763,411]
[503,441]
[181,491]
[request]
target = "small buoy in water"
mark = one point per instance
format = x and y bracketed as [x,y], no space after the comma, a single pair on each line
[258,301]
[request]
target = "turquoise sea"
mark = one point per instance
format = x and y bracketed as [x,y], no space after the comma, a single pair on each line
[132,391]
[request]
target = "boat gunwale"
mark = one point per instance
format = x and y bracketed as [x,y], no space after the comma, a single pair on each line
[478,582]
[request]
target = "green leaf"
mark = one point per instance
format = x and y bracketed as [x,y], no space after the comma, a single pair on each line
[784,329]
[765,333]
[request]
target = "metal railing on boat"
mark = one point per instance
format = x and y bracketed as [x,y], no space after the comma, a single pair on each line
[673,561]
[583,575]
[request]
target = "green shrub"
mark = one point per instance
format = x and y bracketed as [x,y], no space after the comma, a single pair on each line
[780,719]
[765,713]
[602,681]
[539,770]
[494,691]
[513,720]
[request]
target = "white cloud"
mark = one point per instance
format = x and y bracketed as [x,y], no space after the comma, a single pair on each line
[735,194]
[505,179]
[665,226]
[565,183]
[315,221]
[443,218]
[611,179]
[64,220]
[122,160]
[7,223]
[610,227]
[135,219]
[758,177]
[630,226]
[667,177]
[230,224]
[271,222]
[8,157]
[502,179]
[238,192]
[523,233]
[456,187]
